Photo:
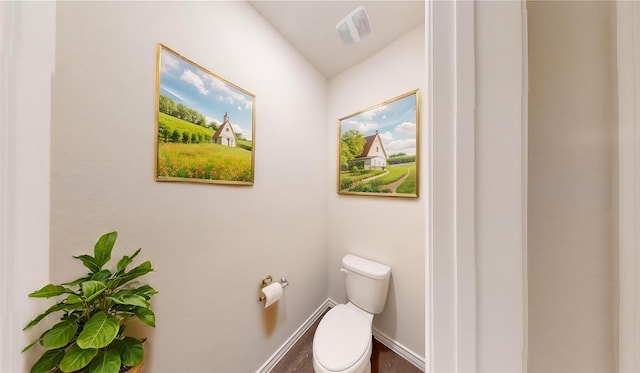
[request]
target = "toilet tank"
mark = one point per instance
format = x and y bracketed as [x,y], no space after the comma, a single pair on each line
[366,282]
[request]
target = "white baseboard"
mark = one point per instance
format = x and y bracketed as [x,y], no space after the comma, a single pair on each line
[288,344]
[401,350]
[394,346]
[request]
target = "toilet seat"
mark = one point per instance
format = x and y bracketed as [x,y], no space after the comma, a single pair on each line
[342,339]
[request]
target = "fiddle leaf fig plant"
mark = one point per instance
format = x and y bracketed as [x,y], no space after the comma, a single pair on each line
[94,311]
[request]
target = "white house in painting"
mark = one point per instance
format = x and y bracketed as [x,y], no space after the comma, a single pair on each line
[225,135]
[373,156]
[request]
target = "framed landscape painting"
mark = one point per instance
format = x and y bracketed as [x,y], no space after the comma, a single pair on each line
[378,149]
[205,124]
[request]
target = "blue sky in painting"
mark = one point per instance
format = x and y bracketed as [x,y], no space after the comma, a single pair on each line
[395,122]
[193,87]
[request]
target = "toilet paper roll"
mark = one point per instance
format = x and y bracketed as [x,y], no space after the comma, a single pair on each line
[272,293]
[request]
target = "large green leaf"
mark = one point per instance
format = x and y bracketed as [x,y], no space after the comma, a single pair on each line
[73,299]
[130,350]
[145,290]
[127,297]
[77,358]
[59,335]
[49,291]
[106,362]
[91,289]
[126,260]
[102,249]
[27,347]
[101,276]
[54,308]
[99,331]
[76,282]
[145,315]
[89,262]
[136,272]
[48,361]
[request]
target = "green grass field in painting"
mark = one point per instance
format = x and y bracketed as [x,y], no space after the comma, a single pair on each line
[349,181]
[408,186]
[395,174]
[204,161]
[245,144]
[173,123]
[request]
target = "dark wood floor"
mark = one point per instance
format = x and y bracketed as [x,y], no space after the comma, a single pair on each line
[300,358]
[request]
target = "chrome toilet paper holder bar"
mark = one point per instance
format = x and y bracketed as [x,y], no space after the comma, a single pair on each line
[267,281]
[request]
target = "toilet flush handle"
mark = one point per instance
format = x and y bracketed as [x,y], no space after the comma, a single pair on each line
[344,271]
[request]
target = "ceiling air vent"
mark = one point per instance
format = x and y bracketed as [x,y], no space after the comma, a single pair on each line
[354,27]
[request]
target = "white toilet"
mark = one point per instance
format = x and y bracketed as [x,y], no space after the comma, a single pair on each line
[342,342]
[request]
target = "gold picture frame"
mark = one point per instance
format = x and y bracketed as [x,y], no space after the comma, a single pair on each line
[378,149]
[205,125]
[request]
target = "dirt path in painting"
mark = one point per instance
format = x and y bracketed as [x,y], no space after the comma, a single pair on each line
[393,186]
[386,172]
[364,181]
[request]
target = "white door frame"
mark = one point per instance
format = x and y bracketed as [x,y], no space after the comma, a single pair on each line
[451,280]
[628,53]
[459,337]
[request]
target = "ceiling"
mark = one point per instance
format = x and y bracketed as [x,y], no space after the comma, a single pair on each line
[310,27]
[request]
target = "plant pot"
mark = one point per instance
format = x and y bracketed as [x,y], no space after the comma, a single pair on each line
[135,369]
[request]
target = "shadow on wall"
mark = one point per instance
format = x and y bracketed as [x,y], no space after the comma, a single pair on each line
[389,315]
[141,331]
[270,317]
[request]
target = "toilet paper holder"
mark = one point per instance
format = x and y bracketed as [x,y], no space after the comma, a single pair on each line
[267,281]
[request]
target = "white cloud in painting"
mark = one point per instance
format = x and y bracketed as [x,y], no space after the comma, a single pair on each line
[363,127]
[401,146]
[193,79]
[386,136]
[169,62]
[228,94]
[370,114]
[406,127]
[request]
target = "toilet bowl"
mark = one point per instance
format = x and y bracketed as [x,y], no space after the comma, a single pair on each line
[342,342]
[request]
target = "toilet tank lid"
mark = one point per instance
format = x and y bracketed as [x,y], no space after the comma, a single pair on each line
[366,267]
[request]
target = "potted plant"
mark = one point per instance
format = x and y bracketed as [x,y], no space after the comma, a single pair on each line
[95,310]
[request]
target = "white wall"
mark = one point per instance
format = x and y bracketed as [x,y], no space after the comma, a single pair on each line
[571,132]
[210,244]
[27,50]
[400,240]
[500,186]
[627,24]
